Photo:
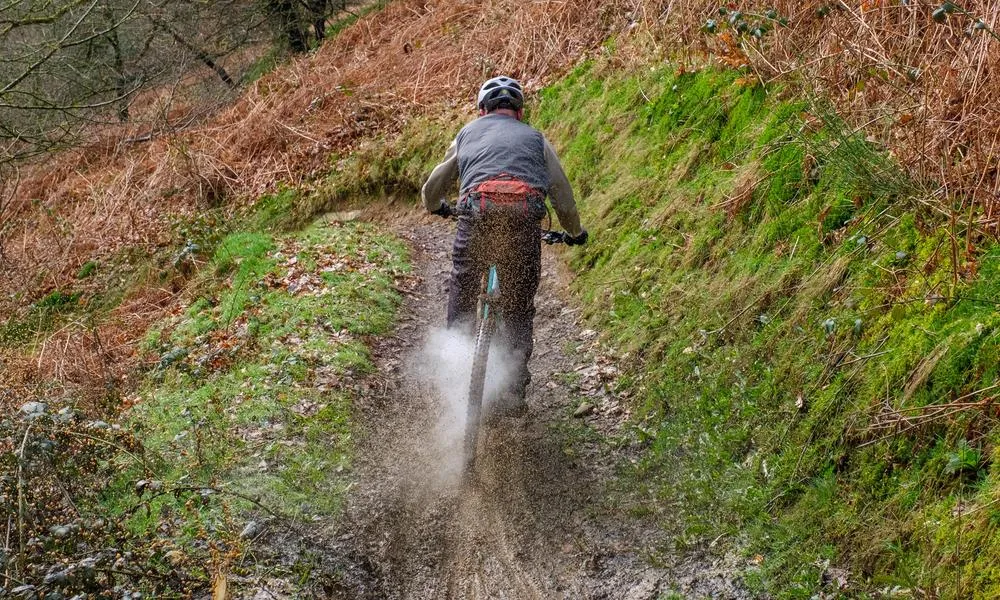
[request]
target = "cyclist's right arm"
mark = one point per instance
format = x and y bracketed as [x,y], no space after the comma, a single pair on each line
[561,193]
[441,178]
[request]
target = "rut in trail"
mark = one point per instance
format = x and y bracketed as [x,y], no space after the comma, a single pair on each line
[535,524]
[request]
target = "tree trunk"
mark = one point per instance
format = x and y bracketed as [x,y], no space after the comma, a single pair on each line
[317,10]
[121,82]
[289,25]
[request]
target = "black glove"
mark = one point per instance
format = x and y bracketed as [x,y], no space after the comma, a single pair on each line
[553,237]
[443,211]
[578,240]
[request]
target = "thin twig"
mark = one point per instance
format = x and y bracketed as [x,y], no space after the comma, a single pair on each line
[21,502]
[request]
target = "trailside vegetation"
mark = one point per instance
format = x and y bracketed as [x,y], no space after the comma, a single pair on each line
[793,218]
[238,423]
[814,356]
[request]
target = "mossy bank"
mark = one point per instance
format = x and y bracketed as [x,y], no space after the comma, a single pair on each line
[815,351]
[250,398]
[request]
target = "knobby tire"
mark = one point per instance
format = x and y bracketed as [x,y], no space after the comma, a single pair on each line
[477,385]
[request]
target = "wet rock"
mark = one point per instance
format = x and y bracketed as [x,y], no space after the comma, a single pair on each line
[251,530]
[87,565]
[24,591]
[60,577]
[33,410]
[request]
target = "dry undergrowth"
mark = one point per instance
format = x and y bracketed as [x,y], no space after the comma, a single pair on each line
[98,202]
[924,88]
[920,81]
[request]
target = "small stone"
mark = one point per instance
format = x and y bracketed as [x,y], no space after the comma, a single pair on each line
[829,325]
[56,578]
[87,564]
[60,531]
[583,410]
[33,410]
[251,530]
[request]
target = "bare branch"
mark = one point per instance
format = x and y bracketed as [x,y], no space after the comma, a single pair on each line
[25,22]
[51,52]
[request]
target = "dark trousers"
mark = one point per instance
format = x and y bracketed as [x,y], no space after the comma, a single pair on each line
[512,242]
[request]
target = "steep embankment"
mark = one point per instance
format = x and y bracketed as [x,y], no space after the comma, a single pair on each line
[815,349]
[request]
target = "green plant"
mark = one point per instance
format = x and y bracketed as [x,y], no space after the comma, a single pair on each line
[87,269]
[963,458]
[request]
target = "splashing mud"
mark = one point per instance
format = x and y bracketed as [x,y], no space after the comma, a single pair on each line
[444,364]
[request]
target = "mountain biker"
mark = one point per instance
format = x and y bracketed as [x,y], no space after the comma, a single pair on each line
[506,169]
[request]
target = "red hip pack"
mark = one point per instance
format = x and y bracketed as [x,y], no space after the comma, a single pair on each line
[504,191]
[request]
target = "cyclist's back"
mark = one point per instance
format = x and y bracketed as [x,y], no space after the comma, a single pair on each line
[497,144]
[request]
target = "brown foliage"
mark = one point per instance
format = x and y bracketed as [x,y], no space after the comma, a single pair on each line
[96,202]
[929,91]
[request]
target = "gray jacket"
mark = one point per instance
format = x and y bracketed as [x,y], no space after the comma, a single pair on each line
[495,144]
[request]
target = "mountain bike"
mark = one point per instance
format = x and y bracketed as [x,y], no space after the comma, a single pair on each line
[487,320]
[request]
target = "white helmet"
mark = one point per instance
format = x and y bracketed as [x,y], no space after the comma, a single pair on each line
[500,90]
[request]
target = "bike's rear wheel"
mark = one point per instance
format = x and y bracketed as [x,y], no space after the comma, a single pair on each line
[477,385]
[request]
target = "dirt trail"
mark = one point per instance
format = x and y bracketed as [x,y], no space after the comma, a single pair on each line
[534,525]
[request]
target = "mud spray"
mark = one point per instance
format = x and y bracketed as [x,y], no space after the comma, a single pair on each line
[445,366]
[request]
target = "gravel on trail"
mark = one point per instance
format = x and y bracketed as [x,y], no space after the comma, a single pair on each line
[537,520]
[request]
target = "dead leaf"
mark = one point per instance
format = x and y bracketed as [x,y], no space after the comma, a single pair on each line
[220,587]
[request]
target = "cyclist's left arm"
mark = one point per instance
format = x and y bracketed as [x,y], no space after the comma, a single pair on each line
[435,189]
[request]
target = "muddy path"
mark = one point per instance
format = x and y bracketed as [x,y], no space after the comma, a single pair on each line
[537,522]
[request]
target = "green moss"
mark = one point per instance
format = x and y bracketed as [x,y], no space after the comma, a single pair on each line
[251,394]
[780,301]
[43,316]
[87,269]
